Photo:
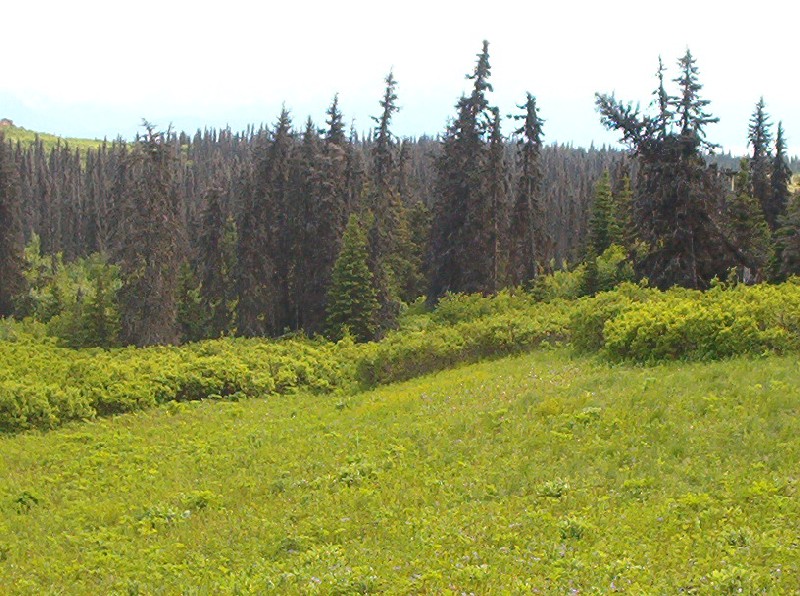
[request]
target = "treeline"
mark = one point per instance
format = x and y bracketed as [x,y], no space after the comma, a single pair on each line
[311,228]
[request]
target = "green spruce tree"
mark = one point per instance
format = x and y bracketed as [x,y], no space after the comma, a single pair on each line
[101,314]
[463,247]
[602,224]
[150,231]
[788,240]
[760,138]
[527,235]
[677,193]
[746,227]
[780,177]
[352,298]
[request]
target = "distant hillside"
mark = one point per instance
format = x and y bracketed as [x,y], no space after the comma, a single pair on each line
[28,137]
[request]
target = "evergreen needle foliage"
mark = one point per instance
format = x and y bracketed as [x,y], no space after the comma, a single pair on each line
[352,299]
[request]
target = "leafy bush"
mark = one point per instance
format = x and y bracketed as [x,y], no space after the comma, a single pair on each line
[404,355]
[613,268]
[462,308]
[43,385]
[589,315]
[701,326]
[566,285]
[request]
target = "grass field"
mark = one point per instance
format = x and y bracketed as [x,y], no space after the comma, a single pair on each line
[28,137]
[542,473]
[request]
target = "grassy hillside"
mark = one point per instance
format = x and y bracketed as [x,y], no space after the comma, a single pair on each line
[542,473]
[28,137]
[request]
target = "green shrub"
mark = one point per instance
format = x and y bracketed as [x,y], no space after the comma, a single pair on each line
[404,355]
[24,406]
[43,385]
[590,315]
[700,326]
[567,285]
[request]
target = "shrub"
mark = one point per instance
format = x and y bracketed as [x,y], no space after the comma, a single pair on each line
[699,326]
[590,315]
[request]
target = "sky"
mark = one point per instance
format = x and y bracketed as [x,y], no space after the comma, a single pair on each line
[96,68]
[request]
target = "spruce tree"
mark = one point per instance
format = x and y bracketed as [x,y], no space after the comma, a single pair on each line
[788,240]
[677,194]
[413,276]
[216,263]
[321,170]
[148,244]
[495,214]
[688,108]
[192,316]
[663,102]
[262,252]
[780,178]
[527,235]
[389,227]
[624,229]
[590,283]
[463,250]
[335,133]
[11,242]
[352,299]
[101,315]
[602,225]
[746,227]
[760,138]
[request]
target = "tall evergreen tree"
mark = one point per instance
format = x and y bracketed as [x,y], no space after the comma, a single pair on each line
[663,102]
[11,242]
[676,194]
[624,230]
[352,298]
[496,191]
[101,316]
[780,178]
[527,234]
[788,240]
[262,252]
[746,227]
[217,262]
[760,138]
[335,133]
[149,241]
[463,251]
[322,172]
[255,268]
[688,108]
[413,275]
[388,230]
[602,225]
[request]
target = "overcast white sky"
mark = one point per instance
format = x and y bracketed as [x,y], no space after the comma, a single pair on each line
[95,68]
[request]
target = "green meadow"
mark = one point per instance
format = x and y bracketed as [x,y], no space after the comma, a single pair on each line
[639,441]
[539,473]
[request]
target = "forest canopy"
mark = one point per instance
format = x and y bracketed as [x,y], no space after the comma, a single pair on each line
[316,229]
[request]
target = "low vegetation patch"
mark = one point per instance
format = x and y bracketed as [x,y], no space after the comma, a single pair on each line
[544,473]
[43,385]
[647,326]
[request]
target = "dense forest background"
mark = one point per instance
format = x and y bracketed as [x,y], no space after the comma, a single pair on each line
[314,228]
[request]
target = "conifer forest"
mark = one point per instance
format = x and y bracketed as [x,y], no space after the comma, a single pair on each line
[183,237]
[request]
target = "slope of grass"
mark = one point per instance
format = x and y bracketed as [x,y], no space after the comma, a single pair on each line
[28,137]
[542,473]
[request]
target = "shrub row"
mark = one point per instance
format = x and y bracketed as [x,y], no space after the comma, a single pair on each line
[645,325]
[43,386]
[404,355]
